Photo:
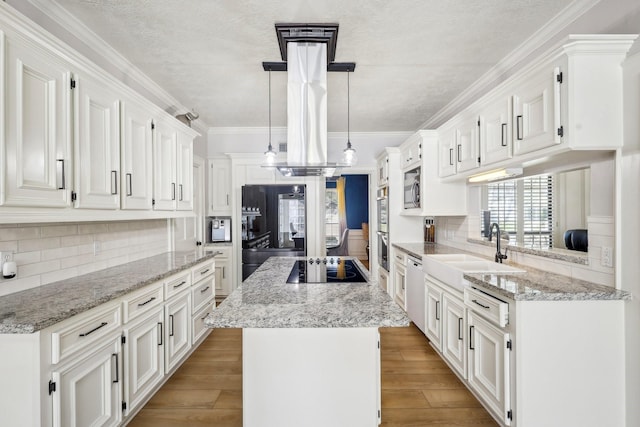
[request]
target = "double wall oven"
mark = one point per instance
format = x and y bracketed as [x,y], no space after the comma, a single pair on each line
[383,227]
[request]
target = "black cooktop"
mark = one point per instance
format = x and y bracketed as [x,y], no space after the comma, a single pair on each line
[326,270]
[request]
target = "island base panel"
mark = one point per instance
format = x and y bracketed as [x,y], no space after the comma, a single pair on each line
[311,377]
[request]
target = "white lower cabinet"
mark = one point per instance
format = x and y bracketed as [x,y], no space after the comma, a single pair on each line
[88,387]
[223,272]
[454,333]
[177,332]
[143,357]
[433,313]
[399,283]
[198,329]
[488,359]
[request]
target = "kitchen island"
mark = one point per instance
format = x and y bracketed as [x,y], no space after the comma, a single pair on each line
[311,351]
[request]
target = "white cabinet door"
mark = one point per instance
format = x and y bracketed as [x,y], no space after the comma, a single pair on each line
[383,171]
[184,164]
[467,144]
[433,308]
[177,332]
[536,114]
[399,283]
[488,363]
[37,110]
[88,390]
[453,333]
[219,187]
[96,144]
[223,277]
[164,167]
[144,357]
[136,157]
[447,152]
[495,132]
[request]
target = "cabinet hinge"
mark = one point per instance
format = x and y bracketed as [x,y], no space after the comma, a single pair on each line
[378,413]
[73,84]
[478,159]
[123,339]
[124,405]
[153,202]
[509,345]
[74,196]
[559,77]
[561,131]
[52,387]
[510,414]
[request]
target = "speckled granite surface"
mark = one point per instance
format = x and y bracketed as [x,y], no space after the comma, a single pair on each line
[37,308]
[265,300]
[575,257]
[533,285]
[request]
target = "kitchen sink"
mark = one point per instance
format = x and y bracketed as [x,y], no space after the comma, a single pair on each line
[450,268]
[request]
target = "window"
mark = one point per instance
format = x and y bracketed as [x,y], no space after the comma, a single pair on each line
[332,223]
[523,209]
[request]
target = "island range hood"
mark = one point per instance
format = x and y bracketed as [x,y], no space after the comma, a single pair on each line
[309,50]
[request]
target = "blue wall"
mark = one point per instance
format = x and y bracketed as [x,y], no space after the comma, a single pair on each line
[357,199]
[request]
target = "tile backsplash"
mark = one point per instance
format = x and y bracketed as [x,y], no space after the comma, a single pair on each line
[46,253]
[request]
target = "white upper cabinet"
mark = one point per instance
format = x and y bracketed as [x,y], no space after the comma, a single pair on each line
[467,144]
[164,167]
[96,144]
[36,101]
[411,153]
[137,166]
[184,164]
[536,113]
[446,152]
[219,187]
[383,170]
[495,132]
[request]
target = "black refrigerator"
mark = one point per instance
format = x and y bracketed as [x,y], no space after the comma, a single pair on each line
[273,224]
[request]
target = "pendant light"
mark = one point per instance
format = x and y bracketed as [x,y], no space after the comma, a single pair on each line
[270,154]
[349,154]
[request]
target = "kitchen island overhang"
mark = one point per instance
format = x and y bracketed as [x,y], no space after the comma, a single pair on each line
[311,352]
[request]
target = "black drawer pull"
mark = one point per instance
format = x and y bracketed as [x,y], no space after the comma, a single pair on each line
[117,369]
[102,325]
[146,302]
[471,347]
[204,271]
[460,328]
[519,125]
[171,325]
[202,291]
[205,316]
[481,305]
[161,333]
[503,137]
[437,305]
[179,284]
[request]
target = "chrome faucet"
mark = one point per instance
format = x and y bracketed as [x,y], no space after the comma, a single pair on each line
[499,255]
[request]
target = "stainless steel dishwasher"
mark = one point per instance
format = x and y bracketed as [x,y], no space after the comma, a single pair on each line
[415,292]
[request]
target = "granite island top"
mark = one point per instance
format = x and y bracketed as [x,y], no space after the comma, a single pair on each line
[37,308]
[534,285]
[265,300]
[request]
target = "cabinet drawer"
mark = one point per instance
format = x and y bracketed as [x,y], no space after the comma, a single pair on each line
[176,284]
[80,331]
[142,301]
[199,329]
[400,257]
[491,308]
[203,270]
[203,292]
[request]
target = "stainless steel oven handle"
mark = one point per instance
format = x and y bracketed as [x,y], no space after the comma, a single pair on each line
[414,194]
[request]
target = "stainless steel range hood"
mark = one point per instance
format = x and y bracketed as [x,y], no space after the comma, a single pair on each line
[305,47]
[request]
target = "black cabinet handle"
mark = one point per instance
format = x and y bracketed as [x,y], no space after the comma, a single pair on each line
[460,328]
[171,325]
[437,305]
[181,195]
[202,291]
[481,305]
[179,284]
[204,271]
[146,302]
[117,369]
[519,127]
[223,273]
[173,191]
[102,325]
[459,153]
[471,347]
[205,316]
[129,185]
[503,137]
[161,333]
[450,156]
[114,182]
[60,176]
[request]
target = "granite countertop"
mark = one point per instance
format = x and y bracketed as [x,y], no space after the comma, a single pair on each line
[265,301]
[534,285]
[38,308]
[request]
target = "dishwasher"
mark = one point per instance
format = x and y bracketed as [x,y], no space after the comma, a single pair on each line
[414,298]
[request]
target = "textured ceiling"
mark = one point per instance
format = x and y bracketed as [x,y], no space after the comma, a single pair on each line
[413,56]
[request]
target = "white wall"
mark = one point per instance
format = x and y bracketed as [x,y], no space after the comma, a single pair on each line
[46,253]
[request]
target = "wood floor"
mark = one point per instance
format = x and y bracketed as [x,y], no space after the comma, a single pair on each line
[418,388]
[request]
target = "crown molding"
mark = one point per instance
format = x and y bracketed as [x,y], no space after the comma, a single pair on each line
[540,38]
[85,35]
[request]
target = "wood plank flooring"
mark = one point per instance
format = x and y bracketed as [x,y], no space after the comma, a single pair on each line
[418,388]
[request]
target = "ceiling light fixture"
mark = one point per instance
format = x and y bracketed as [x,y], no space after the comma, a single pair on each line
[349,154]
[270,154]
[496,174]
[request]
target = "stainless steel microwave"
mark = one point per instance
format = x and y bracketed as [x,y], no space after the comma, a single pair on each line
[412,189]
